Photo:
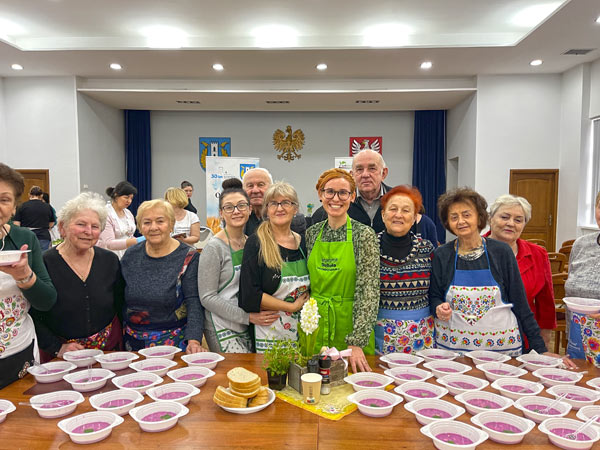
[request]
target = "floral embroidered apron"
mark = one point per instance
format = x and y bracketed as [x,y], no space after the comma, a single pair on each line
[584,338]
[480,319]
[294,282]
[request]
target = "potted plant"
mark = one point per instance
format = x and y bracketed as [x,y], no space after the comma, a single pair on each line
[307,339]
[276,361]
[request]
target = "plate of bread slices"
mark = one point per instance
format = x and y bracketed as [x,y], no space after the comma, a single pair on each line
[245,394]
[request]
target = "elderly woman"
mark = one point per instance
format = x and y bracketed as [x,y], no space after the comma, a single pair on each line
[508,216]
[23,284]
[404,323]
[120,225]
[187,224]
[88,282]
[161,285]
[584,281]
[343,264]
[274,278]
[476,290]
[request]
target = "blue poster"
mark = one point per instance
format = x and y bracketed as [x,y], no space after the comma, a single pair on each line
[213,146]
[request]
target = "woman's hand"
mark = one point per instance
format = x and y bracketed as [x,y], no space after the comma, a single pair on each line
[20,270]
[264,318]
[299,303]
[358,361]
[565,359]
[69,347]
[443,311]
[194,346]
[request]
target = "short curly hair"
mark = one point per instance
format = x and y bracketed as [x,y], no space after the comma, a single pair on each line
[463,195]
[332,174]
[408,191]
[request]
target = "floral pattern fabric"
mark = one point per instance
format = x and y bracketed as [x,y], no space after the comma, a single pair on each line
[479,340]
[137,340]
[473,302]
[590,337]
[406,336]
[13,312]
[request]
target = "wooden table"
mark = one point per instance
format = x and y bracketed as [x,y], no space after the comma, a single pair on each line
[281,425]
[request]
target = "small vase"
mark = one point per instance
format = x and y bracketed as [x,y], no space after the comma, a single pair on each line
[276,382]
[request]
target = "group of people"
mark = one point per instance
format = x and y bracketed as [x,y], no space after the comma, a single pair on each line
[369,256]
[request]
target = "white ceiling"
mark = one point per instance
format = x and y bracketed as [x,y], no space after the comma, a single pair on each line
[463,38]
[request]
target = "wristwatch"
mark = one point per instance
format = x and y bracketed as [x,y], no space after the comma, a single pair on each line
[25,280]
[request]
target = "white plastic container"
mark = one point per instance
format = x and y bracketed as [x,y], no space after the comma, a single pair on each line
[437,354]
[536,415]
[553,376]
[425,410]
[486,356]
[174,409]
[157,366]
[446,367]
[83,358]
[160,351]
[480,401]
[414,390]
[72,423]
[582,305]
[78,380]
[550,424]
[173,392]
[488,421]
[441,427]
[535,361]
[401,360]
[402,375]
[6,407]
[577,396]
[195,375]
[116,360]
[10,257]
[52,404]
[51,372]
[116,401]
[457,384]
[368,381]
[495,371]
[515,388]
[587,412]
[203,359]
[138,381]
[594,383]
[377,395]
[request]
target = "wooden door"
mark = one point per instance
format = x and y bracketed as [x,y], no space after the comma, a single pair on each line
[34,177]
[540,188]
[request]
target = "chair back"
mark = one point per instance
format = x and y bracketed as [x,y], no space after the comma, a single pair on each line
[558,261]
[540,242]
[569,242]
[566,250]
[558,283]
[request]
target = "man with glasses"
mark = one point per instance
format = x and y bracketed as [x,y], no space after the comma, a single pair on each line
[255,183]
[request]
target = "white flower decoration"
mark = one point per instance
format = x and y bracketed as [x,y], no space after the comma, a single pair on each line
[309,316]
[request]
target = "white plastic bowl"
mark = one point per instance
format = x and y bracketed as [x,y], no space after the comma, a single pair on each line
[437,354]
[174,389]
[402,375]
[70,424]
[484,419]
[406,390]
[587,412]
[521,404]
[486,356]
[6,407]
[368,381]
[76,379]
[51,372]
[547,376]
[210,359]
[571,424]
[149,380]
[535,361]
[447,367]
[582,305]
[594,382]
[457,384]
[56,398]
[416,406]
[576,395]
[83,358]
[157,366]
[10,257]
[116,398]
[160,351]
[140,412]
[441,427]
[252,409]
[377,394]
[504,386]
[401,360]
[489,370]
[116,360]
[181,375]
[484,401]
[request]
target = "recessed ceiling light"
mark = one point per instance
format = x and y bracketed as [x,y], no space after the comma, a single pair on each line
[426,65]
[598,19]
[386,35]
[160,36]
[218,67]
[536,62]
[115,66]
[275,36]
[534,15]
[16,67]
[322,66]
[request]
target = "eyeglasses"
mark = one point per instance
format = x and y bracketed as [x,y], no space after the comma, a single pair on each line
[342,194]
[240,207]
[285,204]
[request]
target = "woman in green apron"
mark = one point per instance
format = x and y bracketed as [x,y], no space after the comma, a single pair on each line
[343,263]
[274,276]
[226,326]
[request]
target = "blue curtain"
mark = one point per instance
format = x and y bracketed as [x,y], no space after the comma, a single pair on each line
[429,162]
[138,156]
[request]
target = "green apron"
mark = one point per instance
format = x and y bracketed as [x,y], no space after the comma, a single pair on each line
[332,269]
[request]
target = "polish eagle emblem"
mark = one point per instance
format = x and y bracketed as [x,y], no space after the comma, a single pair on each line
[289,145]
[365,143]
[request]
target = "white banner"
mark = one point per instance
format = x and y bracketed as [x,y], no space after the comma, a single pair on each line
[343,162]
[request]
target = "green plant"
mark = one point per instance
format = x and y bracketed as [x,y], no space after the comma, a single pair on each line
[277,357]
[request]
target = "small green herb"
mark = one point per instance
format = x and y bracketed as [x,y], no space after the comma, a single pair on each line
[375,405]
[88,430]
[437,416]
[508,431]
[166,416]
[449,441]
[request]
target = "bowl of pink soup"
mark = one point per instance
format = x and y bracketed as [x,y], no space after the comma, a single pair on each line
[446,367]
[375,403]
[158,366]
[158,416]
[403,374]
[6,407]
[195,375]
[139,381]
[203,359]
[558,429]
[82,358]
[552,376]
[401,360]
[538,409]
[494,371]
[429,410]
[437,354]
[587,412]
[576,396]
[515,388]
[457,384]
[503,427]
[594,383]
[451,434]
[90,427]
[173,392]
[368,381]
[160,351]
[116,360]
[51,372]
[486,356]
[118,402]
[88,380]
[480,401]
[414,390]
[534,361]
[56,404]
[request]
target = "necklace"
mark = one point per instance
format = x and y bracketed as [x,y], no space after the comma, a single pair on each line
[81,270]
[239,243]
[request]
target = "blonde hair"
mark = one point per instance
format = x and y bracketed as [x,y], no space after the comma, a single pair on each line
[269,249]
[152,204]
[597,199]
[176,197]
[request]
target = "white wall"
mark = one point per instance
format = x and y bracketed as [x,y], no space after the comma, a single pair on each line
[594,94]
[461,129]
[41,131]
[101,144]
[175,146]
[2,123]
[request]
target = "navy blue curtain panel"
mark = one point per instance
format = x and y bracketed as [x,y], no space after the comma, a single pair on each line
[429,162]
[138,156]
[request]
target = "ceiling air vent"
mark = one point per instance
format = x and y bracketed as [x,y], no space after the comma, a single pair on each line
[366,101]
[277,102]
[579,51]
[189,102]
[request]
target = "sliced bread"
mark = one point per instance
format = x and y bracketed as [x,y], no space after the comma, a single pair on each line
[225,398]
[241,378]
[261,398]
